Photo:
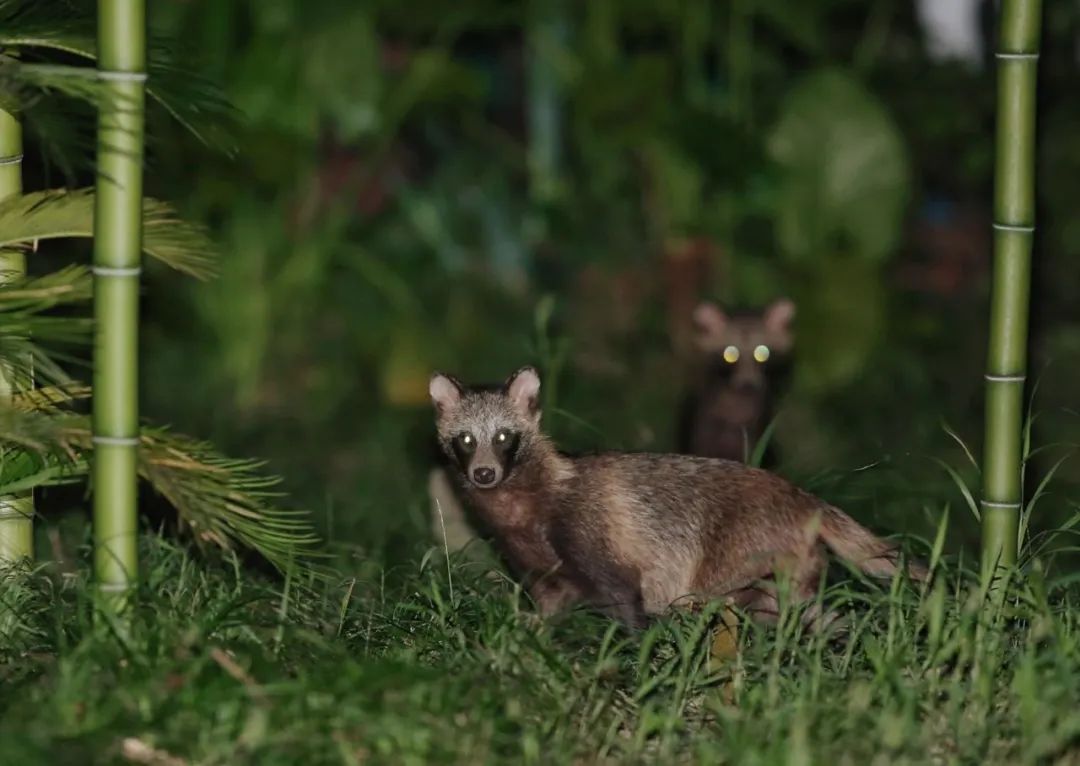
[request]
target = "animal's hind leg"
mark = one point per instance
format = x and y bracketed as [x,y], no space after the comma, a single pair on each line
[802,571]
[759,601]
[798,573]
[805,583]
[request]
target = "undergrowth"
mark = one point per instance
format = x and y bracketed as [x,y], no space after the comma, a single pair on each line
[448,664]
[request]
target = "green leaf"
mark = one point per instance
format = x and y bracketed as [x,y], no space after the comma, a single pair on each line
[24,331]
[844,171]
[195,102]
[59,213]
[21,471]
[969,498]
[348,86]
[225,502]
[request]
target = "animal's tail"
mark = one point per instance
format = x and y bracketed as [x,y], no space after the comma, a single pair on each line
[862,548]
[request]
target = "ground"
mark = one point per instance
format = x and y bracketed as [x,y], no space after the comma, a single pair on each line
[444,662]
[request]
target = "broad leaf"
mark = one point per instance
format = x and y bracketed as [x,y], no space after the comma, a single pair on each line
[844,171]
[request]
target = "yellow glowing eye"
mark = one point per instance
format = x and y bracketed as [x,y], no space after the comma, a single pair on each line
[731,354]
[761,354]
[500,437]
[466,439]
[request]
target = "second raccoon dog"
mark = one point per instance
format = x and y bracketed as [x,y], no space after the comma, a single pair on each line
[744,358]
[630,533]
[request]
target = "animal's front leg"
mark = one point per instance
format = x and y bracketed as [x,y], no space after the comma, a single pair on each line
[609,585]
[554,594]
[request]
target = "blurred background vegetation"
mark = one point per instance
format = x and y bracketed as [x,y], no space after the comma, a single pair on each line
[475,185]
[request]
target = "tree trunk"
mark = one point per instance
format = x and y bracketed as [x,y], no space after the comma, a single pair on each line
[117,257]
[1014,227]
[16,511]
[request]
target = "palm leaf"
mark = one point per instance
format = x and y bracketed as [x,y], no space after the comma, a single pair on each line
[60,141]
[23,329]
[49,399]
[71,284]
[59,213]
[23,84]
[22,470]
[223,501]
[48,433]
[194,101]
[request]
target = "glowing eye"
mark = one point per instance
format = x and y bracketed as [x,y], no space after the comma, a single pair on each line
[731,354]
[761,354]
[467,440]
[501,437]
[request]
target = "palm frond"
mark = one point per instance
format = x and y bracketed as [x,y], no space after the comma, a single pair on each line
[23,84]
[25,333]
[22,470]
[54,214]
[178,243]
[39,443]
[49,399]
[223,501]
[194,101]
[62,137]
[54,433]
[71,284]
[39,439]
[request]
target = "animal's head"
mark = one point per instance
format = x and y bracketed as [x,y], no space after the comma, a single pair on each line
[742,346]
[485,430]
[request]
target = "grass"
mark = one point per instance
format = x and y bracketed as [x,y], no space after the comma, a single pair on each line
[221,666]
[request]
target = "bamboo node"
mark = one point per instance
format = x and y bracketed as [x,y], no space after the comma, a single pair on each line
[114,76]
[1016,56]
[11,159]
[116,441]
[996,504]
[1005,378]
[116,271]
[1014,227]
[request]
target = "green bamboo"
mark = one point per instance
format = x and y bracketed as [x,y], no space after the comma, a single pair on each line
[117,257]
[1014,227]
[16,511]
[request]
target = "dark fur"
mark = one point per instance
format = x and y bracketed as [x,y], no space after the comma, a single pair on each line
[633,533]
[729,405]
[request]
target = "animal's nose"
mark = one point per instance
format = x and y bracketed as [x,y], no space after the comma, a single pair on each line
[749,386]
[484,475]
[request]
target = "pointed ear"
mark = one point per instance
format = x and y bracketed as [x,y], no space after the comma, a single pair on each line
[523,388]
[445,392]
[779,314]
[709,319]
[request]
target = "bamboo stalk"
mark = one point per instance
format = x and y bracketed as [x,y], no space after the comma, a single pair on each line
[1014,227]
[16,511]
[117,258]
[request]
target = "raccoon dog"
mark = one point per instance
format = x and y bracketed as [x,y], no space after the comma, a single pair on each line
[632,534]
[744,358]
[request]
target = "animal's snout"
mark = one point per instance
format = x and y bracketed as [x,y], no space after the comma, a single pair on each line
[484,476]
[748,386]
